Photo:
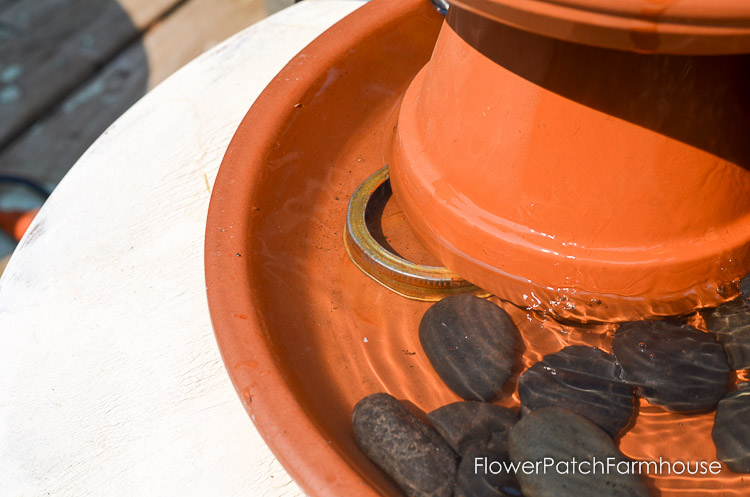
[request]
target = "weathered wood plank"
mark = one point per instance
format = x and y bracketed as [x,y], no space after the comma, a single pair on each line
[7,3]
[4,263]
[144,12]
[48,47]
[49,148]
[194,28]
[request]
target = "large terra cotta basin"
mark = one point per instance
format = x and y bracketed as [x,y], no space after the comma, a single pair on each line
[305,334]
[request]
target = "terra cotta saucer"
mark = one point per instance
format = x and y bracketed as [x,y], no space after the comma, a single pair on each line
[303,332]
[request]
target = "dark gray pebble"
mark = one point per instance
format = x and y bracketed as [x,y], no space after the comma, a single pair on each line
[731,431]
[478,475]
[730,324]
[560,436]
[672,365]
[412,453]
[472,344]
[745,286]
[477,430]
[583,379]
[473,424]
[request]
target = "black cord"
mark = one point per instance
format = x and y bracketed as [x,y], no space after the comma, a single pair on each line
[31,185]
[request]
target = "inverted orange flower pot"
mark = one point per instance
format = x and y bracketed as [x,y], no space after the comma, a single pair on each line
[579,179]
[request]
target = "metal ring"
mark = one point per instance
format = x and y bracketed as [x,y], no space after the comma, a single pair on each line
[414,281]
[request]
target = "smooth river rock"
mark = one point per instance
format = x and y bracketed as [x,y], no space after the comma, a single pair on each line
[473,481]
[745,286]
[471,423]
[583,379]
[730,324]
[412,453]
[479,433]
[672,365]
[731,431]
[559,436]
[473,345]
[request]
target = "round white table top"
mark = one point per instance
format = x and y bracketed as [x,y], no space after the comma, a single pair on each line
[111,382]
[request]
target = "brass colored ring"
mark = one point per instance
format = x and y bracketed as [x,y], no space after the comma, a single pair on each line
[414,281]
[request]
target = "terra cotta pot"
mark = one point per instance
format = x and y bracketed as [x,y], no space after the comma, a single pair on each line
[566,172]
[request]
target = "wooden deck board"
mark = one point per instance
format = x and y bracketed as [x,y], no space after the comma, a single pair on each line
[52,145]
[169,49]
[144,12]
[48,149]
[4,4]
[50,47]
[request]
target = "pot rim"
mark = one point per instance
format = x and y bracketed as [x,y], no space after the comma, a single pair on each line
[686,27]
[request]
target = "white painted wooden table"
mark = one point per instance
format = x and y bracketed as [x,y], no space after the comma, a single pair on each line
[111,382]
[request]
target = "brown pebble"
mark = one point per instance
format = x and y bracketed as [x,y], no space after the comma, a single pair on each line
[477,424]
[730,324]
[583,379]
[560,436]
[473,345]
[411,452]
[731,432]
[672,365]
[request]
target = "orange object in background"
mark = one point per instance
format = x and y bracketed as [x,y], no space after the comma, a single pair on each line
[15,223]
[592,183]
